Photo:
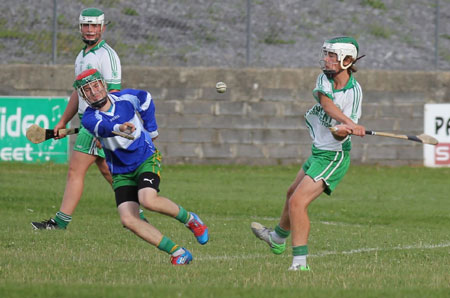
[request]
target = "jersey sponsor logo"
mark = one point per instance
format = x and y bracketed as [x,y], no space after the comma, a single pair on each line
[114,118]
[318,111]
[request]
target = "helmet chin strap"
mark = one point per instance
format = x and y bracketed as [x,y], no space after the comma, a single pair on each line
[332,73]
[90,42]
[99,103]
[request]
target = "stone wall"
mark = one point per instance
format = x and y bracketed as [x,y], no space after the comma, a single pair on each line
[259,120]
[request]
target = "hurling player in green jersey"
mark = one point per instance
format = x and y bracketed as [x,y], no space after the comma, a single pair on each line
[338,103]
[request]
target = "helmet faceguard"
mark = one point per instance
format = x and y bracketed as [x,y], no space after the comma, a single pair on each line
[91,86]
[343,47]
[91,16]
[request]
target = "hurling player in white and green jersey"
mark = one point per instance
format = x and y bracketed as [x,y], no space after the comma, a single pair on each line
[339,98]
[99,55]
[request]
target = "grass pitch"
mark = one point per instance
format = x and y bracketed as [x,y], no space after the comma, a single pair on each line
[383,233]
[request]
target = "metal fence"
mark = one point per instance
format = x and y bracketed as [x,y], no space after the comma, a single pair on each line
[400,34]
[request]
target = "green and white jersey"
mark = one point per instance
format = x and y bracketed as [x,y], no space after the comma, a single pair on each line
[103,58]
[347,99]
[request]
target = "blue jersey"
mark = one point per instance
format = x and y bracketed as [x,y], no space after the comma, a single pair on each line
[123,155]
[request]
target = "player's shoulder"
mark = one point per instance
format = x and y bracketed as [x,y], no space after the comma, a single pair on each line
[79,55]
[132,92]
[89,112]
[356,84]
[323,83]
[88,116]
[323,79]
[104,46]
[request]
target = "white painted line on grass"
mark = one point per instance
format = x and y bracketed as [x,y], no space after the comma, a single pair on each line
[264,218]
[326,253]
[363,250]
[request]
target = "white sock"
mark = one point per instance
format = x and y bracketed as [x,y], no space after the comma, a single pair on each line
[191,217]
[178,252]
[276,238]
[299,260]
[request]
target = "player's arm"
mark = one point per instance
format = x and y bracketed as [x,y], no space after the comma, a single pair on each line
[69,112]
[348,127]
[146,108]
[97,127]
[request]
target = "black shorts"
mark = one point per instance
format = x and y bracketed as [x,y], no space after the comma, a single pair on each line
[129,193]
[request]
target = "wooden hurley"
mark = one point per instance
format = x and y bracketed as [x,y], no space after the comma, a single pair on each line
[422,138]
[37,134]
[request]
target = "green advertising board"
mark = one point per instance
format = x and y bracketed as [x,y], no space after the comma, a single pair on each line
[16,115]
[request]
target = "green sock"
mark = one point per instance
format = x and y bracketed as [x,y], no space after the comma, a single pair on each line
[183,216]
[168,245]
[62,219]
[282,232]
[301,250]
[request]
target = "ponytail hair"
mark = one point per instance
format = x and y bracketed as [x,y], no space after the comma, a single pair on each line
[353,68]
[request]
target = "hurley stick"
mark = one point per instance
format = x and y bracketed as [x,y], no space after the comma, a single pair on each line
[37,134]
[422,138]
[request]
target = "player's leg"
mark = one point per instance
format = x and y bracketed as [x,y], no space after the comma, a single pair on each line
[103,168]
[284,224]
[85,153]
[78,165]
[148,185]
[128,207]
[276,238]
[304,194]
[148,175]
[83,156]
[324,171]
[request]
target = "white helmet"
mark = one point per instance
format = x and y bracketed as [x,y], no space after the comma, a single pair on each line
[91,16]
[342,46]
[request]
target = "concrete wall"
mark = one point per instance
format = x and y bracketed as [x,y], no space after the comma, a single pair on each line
[259,120]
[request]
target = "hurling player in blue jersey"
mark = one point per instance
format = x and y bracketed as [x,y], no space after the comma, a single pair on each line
[134,164]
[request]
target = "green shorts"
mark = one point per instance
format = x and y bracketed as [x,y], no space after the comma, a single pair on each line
[151,164]
[329,166]
[86,143]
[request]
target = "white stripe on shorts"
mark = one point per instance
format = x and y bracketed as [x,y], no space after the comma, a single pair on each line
[318,177]
[337,166]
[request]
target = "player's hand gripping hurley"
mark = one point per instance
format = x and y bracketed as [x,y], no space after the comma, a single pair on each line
[37,134]
[125,132]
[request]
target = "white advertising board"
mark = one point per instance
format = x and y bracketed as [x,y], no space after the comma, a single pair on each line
[437,124]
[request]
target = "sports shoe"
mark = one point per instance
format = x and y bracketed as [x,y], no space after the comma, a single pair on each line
[45,225]
[199,229]
[182,259]
[263,233]
[299,267]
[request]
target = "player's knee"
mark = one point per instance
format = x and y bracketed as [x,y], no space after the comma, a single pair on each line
[128,220]
[74,172]
[149,201]
[297,203]
[289,192]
